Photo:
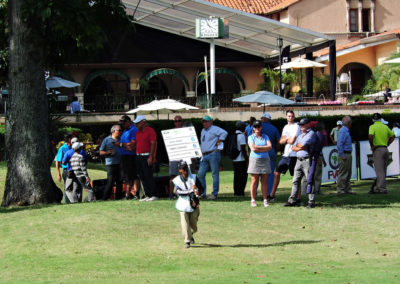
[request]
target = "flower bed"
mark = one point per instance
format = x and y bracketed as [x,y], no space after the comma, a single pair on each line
[331,103]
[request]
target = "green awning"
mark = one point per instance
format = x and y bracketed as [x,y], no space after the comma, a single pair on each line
[224,70]
[169,71]
[89,78]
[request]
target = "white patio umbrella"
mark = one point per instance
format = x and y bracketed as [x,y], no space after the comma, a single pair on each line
[167,105]
[301,63]
[265,98]
[57,82]
[394,60]
[375,95]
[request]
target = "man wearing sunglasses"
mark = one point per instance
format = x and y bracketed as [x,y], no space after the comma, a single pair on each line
[109,149]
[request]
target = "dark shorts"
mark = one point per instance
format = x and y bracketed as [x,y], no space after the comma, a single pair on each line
[286,163]
[128,168]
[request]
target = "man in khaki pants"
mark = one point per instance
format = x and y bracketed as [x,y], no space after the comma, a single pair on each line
[344,146]
[380,137]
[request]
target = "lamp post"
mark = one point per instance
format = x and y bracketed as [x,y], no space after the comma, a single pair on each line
[279,42]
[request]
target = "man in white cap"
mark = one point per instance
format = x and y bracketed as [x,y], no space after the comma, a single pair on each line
[210,143]
[274,136]
[335,131]
[78,176]
[146,149]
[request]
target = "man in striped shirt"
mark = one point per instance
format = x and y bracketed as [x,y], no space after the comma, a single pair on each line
[78,176]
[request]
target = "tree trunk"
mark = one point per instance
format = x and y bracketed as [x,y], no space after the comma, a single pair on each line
[28,178]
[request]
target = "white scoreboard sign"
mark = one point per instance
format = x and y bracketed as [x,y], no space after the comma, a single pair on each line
[181,143]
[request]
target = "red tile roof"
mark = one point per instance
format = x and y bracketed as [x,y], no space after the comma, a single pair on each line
[260,7]
[325,51]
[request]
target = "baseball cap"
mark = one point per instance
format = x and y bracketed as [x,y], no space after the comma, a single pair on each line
[139,118]
[376,116]
[75,139]
[257,123]
[339,122]
[266,115]
[207,118]
[182,164]
[313,123]
[124,118]
[77,145]
[304,121]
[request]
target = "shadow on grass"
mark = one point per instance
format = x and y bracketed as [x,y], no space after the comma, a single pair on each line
[281,244]
[329,197]
[13,209]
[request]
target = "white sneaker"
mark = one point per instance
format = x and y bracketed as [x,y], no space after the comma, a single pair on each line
[152,198]
[212,197]
[253,203]
[144,199]
[266,203]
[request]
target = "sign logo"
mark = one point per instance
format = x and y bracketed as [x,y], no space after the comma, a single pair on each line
[334,159]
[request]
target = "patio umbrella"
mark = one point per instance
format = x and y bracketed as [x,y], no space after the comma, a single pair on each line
[166,105]
[57,82]
[264,97]
[395,60]
[375,95]
[301,63]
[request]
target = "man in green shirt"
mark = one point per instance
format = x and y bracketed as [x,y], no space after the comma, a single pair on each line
[380,137]
[335,132]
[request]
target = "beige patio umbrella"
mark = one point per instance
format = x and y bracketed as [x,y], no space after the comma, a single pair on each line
[300,63]
[394,60]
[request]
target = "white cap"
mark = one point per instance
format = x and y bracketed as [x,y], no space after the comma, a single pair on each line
[77,145]
[139,118]
[339,122]
[266,115]
[75,139]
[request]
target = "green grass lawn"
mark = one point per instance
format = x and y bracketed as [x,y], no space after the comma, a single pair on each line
[345,239]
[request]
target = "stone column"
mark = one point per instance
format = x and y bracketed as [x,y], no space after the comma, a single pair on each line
[348,15]
[359,16]
[372,16]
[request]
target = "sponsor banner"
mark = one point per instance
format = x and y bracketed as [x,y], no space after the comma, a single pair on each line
[331,156]
[181,143]
[367,170]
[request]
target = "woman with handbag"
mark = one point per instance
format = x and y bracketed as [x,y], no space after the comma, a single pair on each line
[188,202]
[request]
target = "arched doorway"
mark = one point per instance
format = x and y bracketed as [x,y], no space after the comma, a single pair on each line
[106,90]
[163,83]
[360,74]
[227,83]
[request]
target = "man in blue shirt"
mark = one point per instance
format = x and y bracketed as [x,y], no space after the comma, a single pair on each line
[274,136]
[128,157]
[109,148]
[304,148]
[211,142]
[60,155]
[249,127]
[344,146]
[75,106]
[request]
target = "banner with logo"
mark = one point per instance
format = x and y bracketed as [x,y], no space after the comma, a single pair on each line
[181,143]
[331,156]
[367,160]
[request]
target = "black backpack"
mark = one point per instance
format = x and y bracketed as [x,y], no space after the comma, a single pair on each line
[232,147]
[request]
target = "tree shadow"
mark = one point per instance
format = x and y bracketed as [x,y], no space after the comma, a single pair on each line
[329,197]
[13,209]
[280,244]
